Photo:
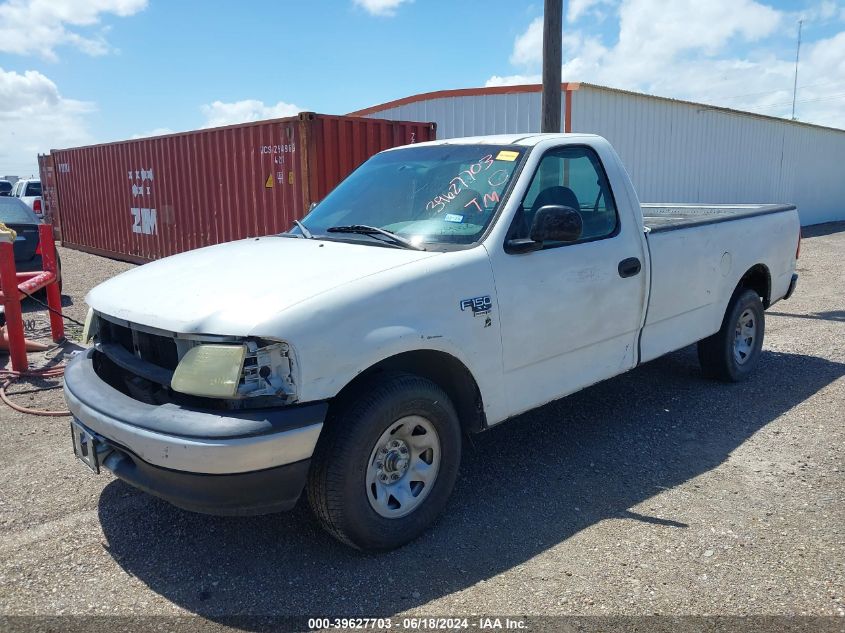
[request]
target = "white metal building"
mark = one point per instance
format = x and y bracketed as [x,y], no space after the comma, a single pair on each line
[675,151]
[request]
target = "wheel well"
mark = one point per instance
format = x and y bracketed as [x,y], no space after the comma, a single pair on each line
[758,279]
[442,369]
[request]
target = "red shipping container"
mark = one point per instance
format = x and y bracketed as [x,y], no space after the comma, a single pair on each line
[149,198]
[49,202]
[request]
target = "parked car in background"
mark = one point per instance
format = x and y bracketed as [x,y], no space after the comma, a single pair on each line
[18,216]
[5,188]
[29,192]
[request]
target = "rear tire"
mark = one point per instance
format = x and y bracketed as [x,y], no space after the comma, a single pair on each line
[733,352]
[386,463]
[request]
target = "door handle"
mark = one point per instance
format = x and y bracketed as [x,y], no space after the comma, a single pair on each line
[629,267]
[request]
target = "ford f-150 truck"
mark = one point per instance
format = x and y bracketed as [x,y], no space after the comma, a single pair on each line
[439,290]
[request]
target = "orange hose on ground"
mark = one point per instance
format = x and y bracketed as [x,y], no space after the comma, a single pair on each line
[11,376]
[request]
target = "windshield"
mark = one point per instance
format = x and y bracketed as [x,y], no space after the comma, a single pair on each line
[439,194]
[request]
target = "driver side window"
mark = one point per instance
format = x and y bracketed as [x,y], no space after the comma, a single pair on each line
[571,177]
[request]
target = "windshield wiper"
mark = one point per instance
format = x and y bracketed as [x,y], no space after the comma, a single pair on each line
[305,232]
[365,229]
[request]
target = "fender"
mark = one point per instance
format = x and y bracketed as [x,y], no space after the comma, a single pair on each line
[383,343]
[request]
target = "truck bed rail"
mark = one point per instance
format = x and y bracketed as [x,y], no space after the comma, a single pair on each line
[658,218]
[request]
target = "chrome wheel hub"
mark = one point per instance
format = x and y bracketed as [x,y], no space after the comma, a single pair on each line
[745,336]
[403,467]
[392,461]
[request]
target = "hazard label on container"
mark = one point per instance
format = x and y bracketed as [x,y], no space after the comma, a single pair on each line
[268,184]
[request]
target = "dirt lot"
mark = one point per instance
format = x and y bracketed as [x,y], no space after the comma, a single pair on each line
[655,492]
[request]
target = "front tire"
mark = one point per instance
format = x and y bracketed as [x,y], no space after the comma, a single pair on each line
[733,352]
[386,463]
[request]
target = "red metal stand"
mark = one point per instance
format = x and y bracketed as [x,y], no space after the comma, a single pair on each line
[13,285]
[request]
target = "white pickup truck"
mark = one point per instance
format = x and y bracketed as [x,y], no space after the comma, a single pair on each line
[441,289]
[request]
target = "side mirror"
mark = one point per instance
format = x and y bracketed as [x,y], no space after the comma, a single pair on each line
[555,223]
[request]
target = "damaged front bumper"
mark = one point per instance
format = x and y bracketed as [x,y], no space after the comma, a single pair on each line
[215,462]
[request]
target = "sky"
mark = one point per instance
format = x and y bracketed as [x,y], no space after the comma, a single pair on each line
[75,72]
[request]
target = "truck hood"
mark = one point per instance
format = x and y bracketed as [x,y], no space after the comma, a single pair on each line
[229,288]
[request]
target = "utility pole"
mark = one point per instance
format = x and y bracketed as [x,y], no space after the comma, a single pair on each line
[552,60]
[797,56]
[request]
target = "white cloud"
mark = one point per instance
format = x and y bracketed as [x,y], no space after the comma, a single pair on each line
[35,118]
[222,113]
[578,8]
[653,30]
[513,80]
[823,11]
[40,26]
[661,50]
[380,7]
[528,47]
[827,10]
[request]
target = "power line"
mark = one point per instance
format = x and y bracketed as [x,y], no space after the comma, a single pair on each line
[769,92]
[811,100]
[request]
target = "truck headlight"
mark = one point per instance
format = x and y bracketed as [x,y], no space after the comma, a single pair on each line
[90,328]
[210,370]
[268,371]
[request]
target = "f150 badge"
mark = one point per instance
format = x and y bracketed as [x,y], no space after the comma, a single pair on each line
[478,305]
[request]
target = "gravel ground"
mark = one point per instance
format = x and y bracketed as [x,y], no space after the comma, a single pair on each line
[657,492]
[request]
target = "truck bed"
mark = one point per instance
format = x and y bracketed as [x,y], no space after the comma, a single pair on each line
[670,217]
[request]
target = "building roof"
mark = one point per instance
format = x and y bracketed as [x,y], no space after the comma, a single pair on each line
[571,87]
[458,92]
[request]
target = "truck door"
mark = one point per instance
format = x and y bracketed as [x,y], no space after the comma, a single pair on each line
[570,313]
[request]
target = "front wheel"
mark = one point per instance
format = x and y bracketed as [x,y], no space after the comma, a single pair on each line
[732,353]
[386,463]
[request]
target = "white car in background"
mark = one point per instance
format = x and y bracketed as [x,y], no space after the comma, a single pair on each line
[29,191]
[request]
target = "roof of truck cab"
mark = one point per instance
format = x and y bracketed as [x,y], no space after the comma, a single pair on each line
[527,139]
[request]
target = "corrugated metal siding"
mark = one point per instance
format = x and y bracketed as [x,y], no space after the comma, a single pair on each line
[675,151]
[680,152]
[475,115]
[149,198]
[49,193]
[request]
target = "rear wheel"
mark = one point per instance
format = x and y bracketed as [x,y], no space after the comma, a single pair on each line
[386,464]
[734,351]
